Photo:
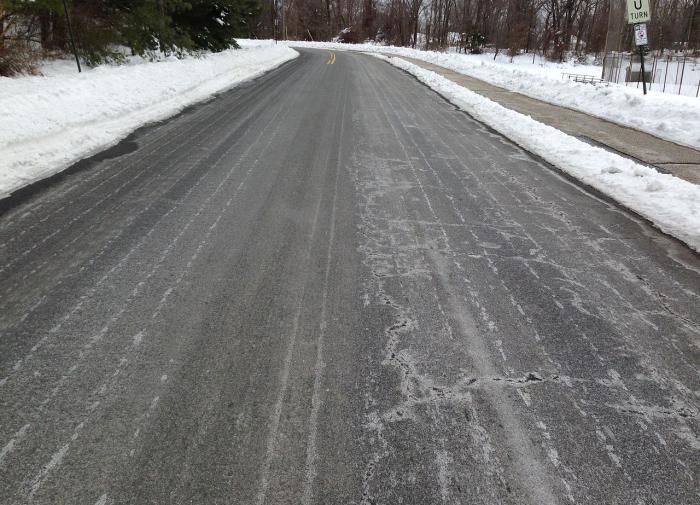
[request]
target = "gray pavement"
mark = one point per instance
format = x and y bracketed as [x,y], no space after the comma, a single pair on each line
[668,157]
[329,286]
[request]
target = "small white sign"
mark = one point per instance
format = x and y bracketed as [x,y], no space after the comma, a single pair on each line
[638,11]
[640,35]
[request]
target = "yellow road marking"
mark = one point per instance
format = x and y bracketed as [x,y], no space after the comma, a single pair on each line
[331,59]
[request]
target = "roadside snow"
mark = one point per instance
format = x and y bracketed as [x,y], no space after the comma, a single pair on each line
[51,121]
[671,117]
[670,203]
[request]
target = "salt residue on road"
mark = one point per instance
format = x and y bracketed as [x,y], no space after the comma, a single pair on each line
[667,116]
[51,121]
[672,204]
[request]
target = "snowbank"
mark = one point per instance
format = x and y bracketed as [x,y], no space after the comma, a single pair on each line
[671,117]
[670,203]
[52,121]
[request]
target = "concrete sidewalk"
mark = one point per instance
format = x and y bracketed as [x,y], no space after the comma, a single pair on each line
[667,157]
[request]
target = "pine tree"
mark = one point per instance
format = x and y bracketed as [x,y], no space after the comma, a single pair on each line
[106,30]
[213,25]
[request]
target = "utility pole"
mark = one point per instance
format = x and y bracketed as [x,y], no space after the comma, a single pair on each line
[70,35]
[694,17]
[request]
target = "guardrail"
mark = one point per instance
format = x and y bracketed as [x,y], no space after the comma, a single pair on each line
[585,78]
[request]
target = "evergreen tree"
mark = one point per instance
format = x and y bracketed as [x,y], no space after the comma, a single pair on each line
[108,29]
[213,25]
[142,26]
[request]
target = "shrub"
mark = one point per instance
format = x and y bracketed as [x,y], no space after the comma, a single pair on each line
[17,58]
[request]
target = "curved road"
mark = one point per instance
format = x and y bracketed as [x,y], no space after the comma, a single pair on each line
[330,287]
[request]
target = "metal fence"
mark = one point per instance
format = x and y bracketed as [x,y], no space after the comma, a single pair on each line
[678,74]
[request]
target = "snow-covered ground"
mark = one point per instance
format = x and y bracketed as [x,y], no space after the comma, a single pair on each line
[53,120]
[672,117]
[657,65]
[670,203]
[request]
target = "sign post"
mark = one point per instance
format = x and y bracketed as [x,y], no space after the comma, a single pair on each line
[640,39]
[638,13]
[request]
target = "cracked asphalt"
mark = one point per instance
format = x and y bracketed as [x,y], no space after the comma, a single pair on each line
[328,286]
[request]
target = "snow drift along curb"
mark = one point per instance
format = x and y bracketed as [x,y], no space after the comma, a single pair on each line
[672,204]
[49,123]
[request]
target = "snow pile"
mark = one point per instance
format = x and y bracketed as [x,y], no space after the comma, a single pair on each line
[670,203]
[671,117]
[52,121]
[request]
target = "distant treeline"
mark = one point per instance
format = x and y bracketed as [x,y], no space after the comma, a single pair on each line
[551,27]
[107,29]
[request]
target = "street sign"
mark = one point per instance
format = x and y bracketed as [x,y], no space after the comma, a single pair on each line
[640,35]
[638,11]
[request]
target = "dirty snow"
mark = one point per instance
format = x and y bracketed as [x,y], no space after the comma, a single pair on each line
[53,120]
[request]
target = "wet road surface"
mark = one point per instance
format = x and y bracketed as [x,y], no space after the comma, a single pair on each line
[329,286]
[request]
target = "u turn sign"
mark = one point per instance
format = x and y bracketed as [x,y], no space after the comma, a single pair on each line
[638,11]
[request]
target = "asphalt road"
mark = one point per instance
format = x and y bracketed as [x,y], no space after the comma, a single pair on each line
[331,287]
